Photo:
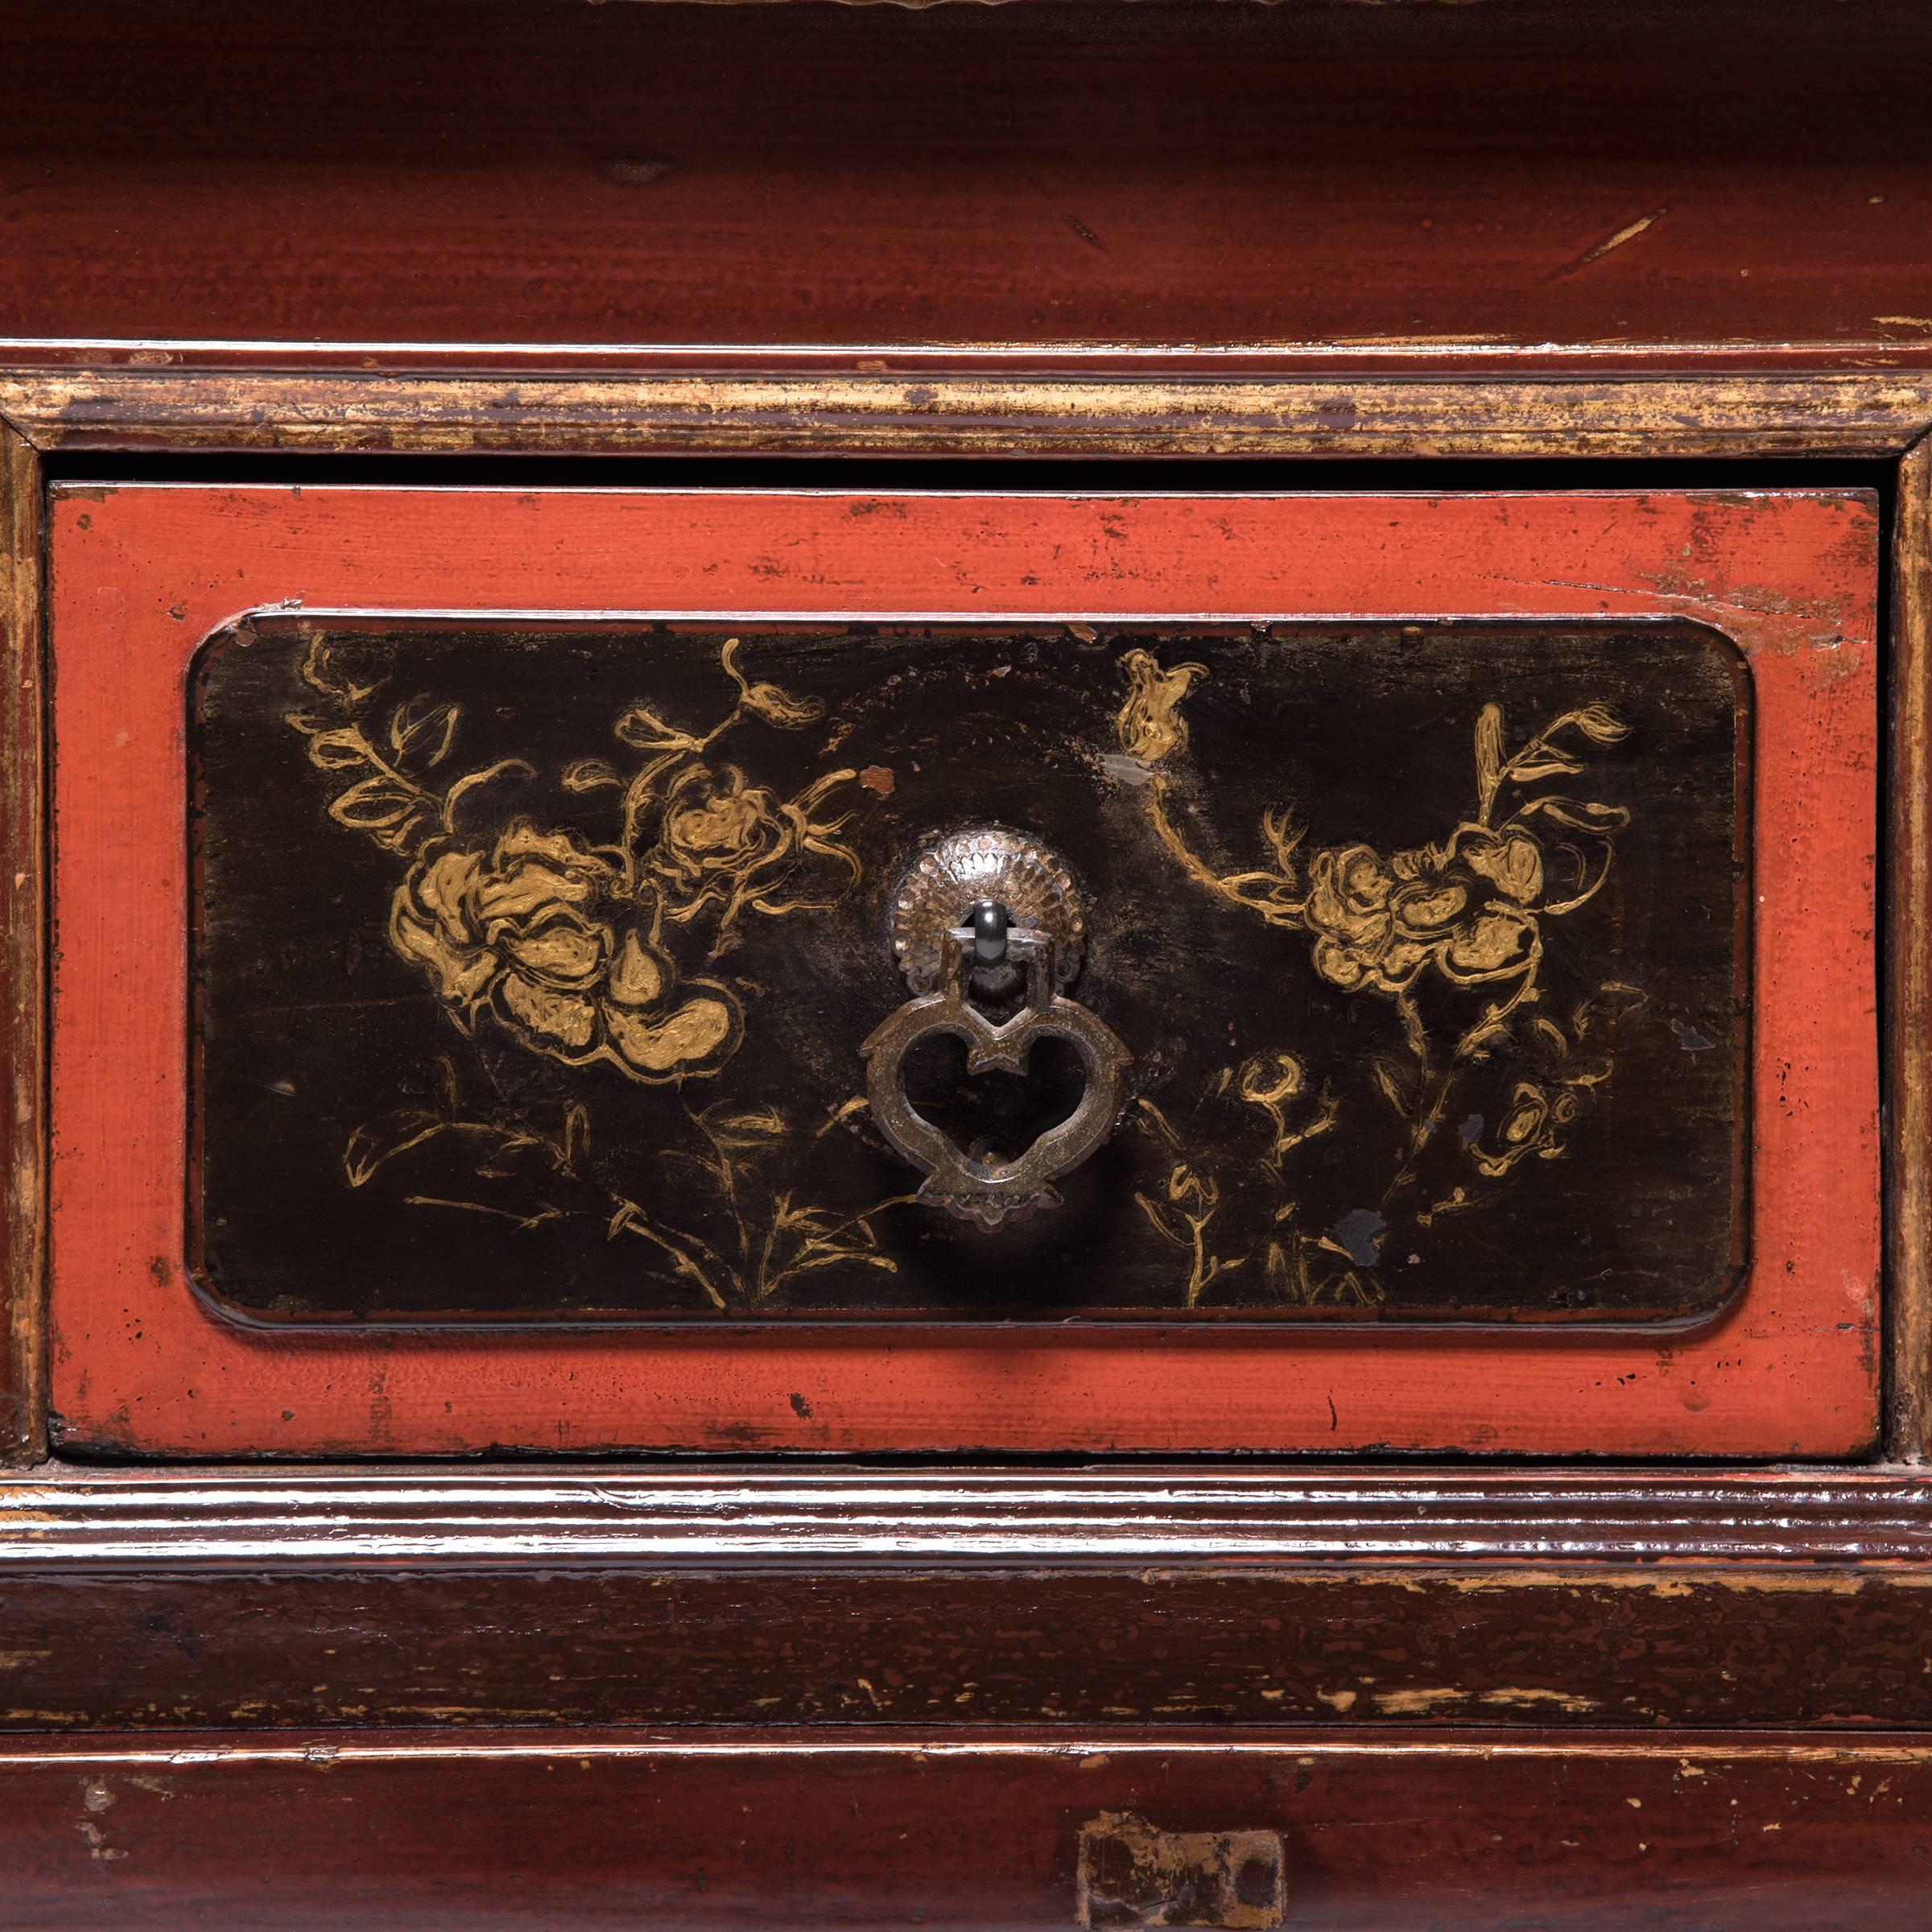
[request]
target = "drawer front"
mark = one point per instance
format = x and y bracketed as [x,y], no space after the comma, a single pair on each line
[807,971]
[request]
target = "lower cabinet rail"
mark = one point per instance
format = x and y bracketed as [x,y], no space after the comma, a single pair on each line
[702,1827]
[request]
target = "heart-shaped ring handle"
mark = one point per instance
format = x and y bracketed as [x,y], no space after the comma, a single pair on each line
[976,948]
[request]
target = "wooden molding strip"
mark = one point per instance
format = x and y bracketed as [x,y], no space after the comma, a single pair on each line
[816,1519]
[22,913]
[1908,876]
[964,1743]
[1870,414]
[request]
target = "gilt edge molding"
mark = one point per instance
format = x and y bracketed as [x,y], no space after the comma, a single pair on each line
[1852,413]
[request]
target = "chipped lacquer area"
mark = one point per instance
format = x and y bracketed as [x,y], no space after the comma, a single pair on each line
[141,574]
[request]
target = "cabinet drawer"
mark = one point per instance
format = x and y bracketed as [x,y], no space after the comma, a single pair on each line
[576,970]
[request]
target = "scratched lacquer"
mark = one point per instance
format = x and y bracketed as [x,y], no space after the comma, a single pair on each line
[507,989]
[534,968]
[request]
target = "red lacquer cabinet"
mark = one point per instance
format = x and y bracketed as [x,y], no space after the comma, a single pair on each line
[957,976]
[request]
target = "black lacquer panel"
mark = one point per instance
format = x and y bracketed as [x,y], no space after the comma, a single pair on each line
[533,966]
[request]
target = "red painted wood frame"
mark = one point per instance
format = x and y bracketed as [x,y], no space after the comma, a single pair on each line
[141,574]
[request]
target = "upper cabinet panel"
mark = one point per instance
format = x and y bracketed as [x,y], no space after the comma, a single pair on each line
[596,969]
[1516,176]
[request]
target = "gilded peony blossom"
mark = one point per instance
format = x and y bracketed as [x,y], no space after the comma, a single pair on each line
[1468,907]
[1356,940]
[716,833]
[534,931]
[723,842]
[1510,860]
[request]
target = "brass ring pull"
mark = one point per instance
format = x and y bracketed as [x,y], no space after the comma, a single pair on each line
[974,914]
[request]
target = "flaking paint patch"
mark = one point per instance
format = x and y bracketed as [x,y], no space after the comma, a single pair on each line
[1802,1581]
[1506,1697]
[1419,1703]
[97,1847]
[1627,233]
[1131,1873]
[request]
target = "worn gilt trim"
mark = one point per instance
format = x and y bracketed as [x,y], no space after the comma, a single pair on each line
[23,1222]
[1059,414]
[1908,1297]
